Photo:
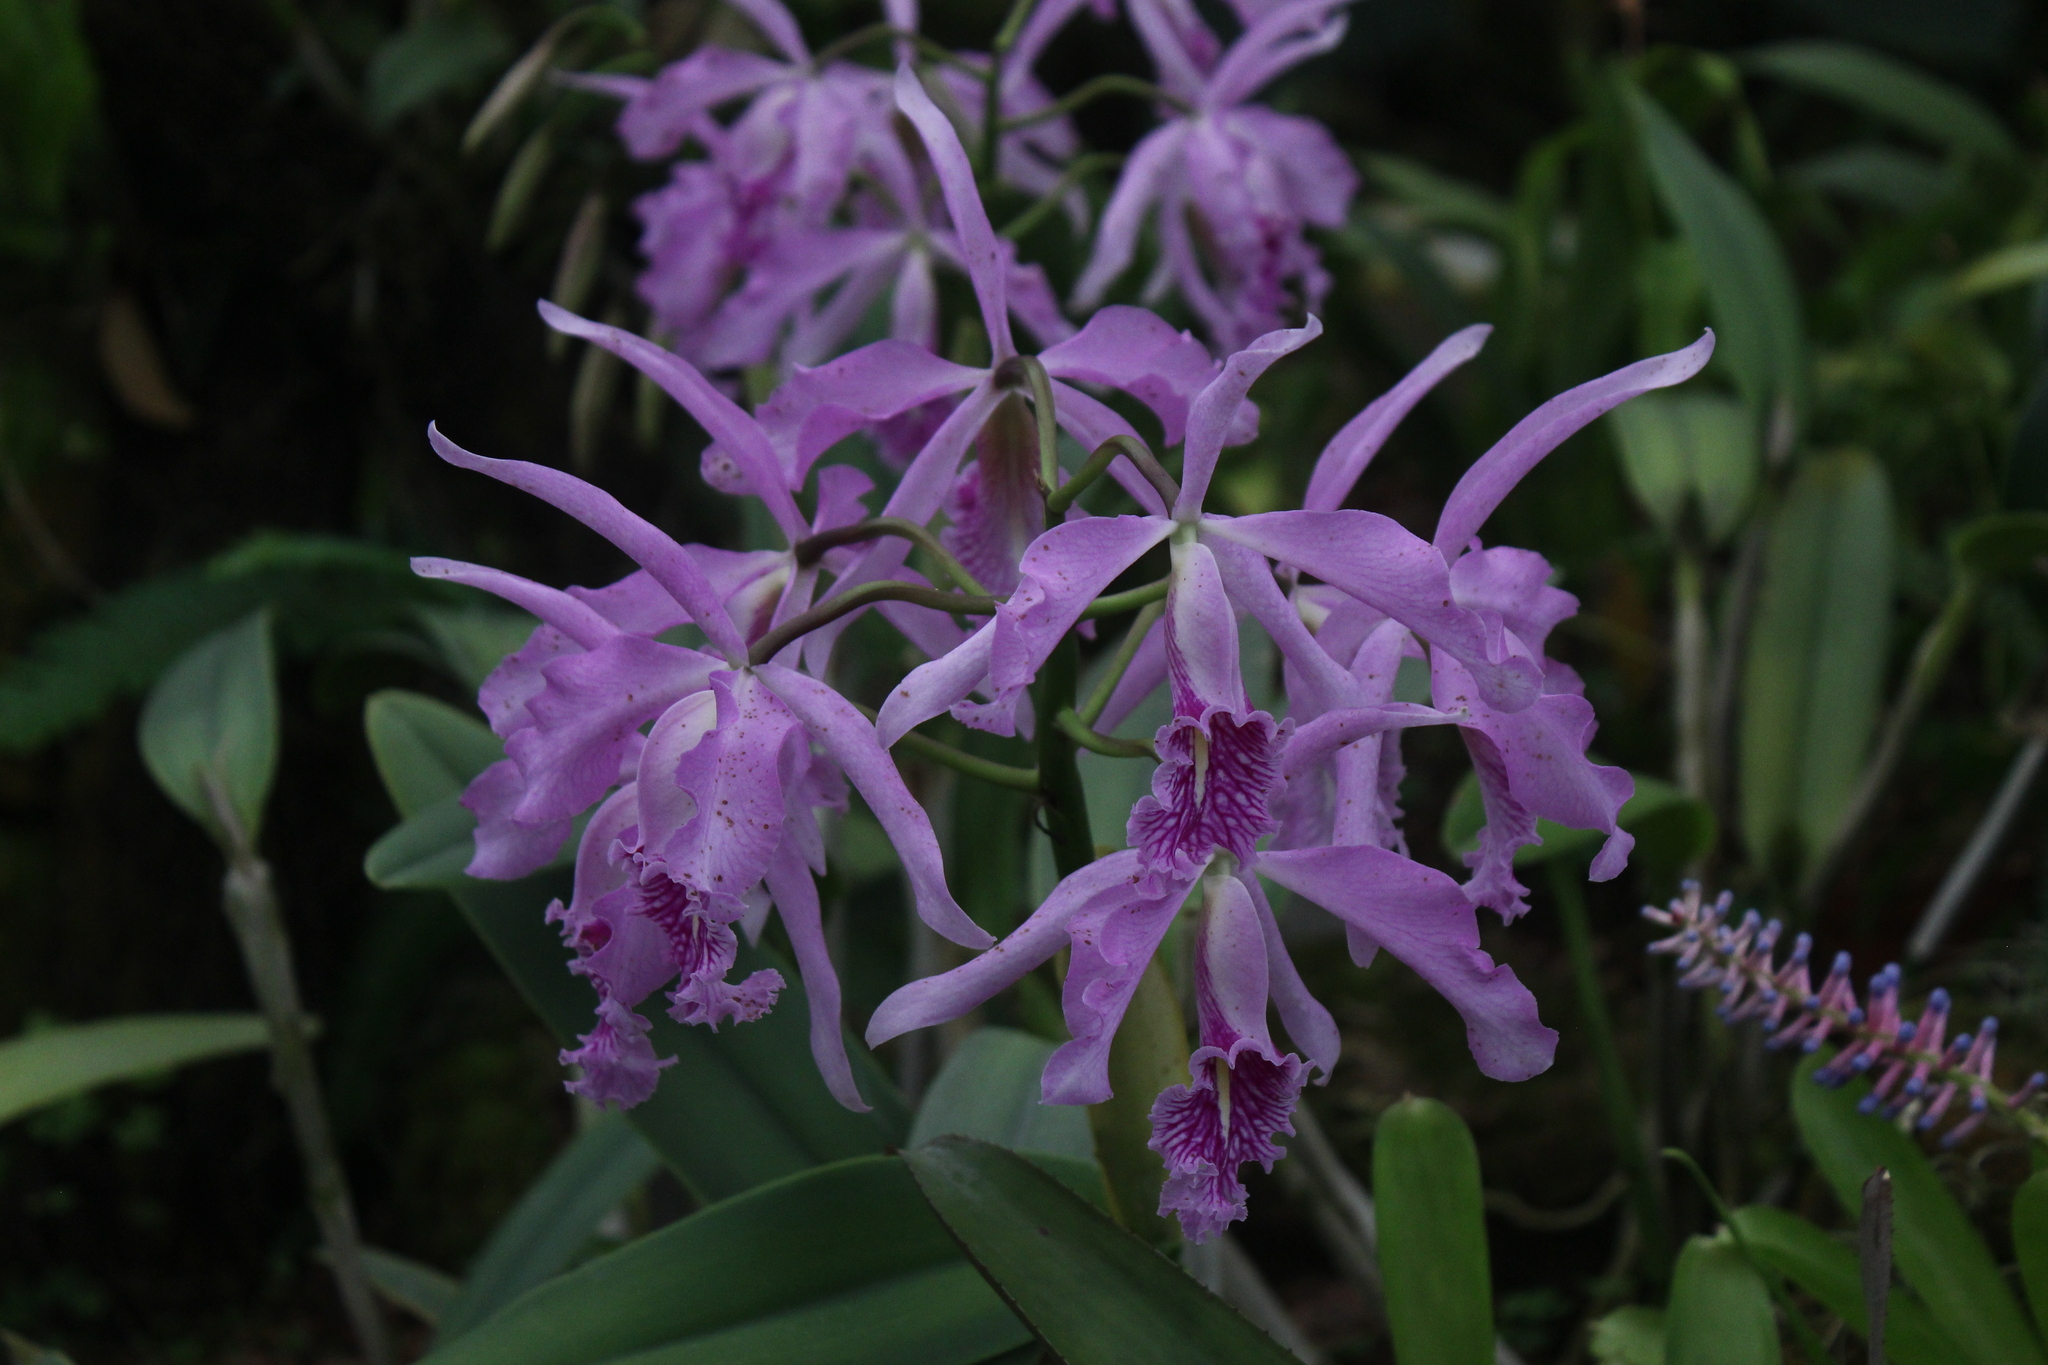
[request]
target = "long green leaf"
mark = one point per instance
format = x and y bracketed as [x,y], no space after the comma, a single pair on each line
[1629,1336]
[212,719]
[1689,448]
[989,1089]
[834,1266]
[1720,1312]
[553,1220]
[2030,1242]
[425,750]
[1942,1257]
[1748,284]
[56,1063]
[1432,1226]
[1827,1269]
[1816,653]
[420,1289]
[1889,89]
[426,851]
[1092,1292]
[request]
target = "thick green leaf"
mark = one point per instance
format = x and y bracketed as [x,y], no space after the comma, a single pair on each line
[989,1089]
[1720,1311]
[473,639]
[1827,1269]
[426,851]
[1890,89]
[420,1289]
[1671,828]
[2002,543]
[1748,284]
[1816,653]
[2002,269]
[56,1063]
[212,719]
[1091,1291]
[1941,1256]
[425,750]
[1432,1226]
[444,48]
[1629,1336]
[1442,200]
[833,1266]
[1874,173]
[1689,447]
[2030,1242]
[553,1220]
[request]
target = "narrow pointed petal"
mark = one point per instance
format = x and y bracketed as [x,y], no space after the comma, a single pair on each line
[1494,475]
[815,408]
[507,849]
[847,736]
[1308,1024]
[1113,942]
[1063,571]
[1285,36]
[1214,412]
[1317,742]
[980,251]
[1358,440]
[932,687]
[579,622]
[654,551]
[1143,182]
[1315,681]
[1202,658]
[796,900]
[936,999]
[1422,917]
[1376,560]
[777,25]
[1141,353]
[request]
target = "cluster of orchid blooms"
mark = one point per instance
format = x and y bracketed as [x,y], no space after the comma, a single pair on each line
[708,766]
[1917,1071]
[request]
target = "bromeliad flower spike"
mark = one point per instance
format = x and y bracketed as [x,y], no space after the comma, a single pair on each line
[1917,1070]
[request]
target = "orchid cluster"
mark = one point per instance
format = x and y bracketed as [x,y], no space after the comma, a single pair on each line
[786,225]
[1918,1071]
[708,764]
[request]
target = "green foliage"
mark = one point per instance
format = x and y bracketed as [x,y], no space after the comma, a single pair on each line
[1091,1292]
[1720,1311]
[425,750]
[842,1265]
[209,730]
[989,1089]
[1891,90]
[1629,1336]
[420,1289]
[1689,450]
[1432,1227]
[1941,1256]
[1828,1270]
[2030,1242]
[52,1064]
[1816,654]
[47,95]
[444,48]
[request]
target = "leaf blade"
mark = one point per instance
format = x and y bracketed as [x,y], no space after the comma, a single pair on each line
[212,718]
[52,1064]
[1432,1230]
[1720,1311]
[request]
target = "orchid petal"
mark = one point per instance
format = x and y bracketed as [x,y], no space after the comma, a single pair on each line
[1315,742]
[1285,36]
[1308,1024]
[507,849]
[1231,974]
[1091,422]
[1214,411]
[557,608]
[777,25]
[816,408]
[1359,439]
[1137,351]
[1315,681]
[1202,656]
[980,251]
[796,900]
[1114,940]
[732,781]
[1146,174]
[931,687]
[1062,573]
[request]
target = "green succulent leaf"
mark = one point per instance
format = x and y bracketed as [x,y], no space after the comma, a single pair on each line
[1720,1311]
[210,725]
[1432,1227]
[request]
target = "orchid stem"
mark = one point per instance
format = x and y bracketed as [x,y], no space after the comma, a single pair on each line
[1060,791]
[1077,730]
[1061,498]
[773,642]
[1088,91]
[1119,664]
[811,549]
[1622,1121]
[249,897]
[960,761]
[1116,602]
[1079,169]
[1032,369]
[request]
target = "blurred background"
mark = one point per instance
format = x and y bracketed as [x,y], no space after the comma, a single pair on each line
[246,256]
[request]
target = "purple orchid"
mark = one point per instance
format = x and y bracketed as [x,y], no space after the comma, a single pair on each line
[1230,185]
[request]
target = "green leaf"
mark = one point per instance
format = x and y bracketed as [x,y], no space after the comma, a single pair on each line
[425,750]
[446,47]
[1889,89]
[1889,177]
[1442,200]
[420,1289]
[426,851]
[1720,1312]
[553,1220]
[1827,1270]
[1093,1293]
[1629,1336]
[989,1089]
[1689,447]
[1940,1255]
[56,1063]
[833,1266]
[2002,543]
[2030,1241]
[2002,269]
[211,720]
[1816,653]
[1748,284]
[473,639]
[1671,828]
[48,91]
[1432,1225]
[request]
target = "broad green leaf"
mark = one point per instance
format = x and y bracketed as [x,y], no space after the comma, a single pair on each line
[1720,1312]
[212,719]
[989,1089]
[1697,447]
[1940,1255]
[1827,1269]
[426,851]
[833,1266]
[1816,653]
[2002,269]
[444,48]
[425,750]
[552,1221]
[56,1063]
[1432,1226]
[1890,177]
[420,1289]
[2030,1242]
[1092,1292]
[473,639]
[1748,284]
[1671,828]
[1629,1336]
[1891,90]
[2002,543]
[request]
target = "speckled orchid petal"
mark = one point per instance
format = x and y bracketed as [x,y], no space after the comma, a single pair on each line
[980,250]
[1358,440]
[1214,414]
[1113,941]
[796,901]
[720,837]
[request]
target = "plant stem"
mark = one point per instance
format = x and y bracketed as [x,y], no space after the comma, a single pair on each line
[811,549]
[1088,91]
[1969,865]
[1691,656]
[250,900]
[960,761]
[773,642]
[1115,602]
[1614,1093]
[1091,710]
[1079,169]
[1077,730]
[1064,800]
[1930,662]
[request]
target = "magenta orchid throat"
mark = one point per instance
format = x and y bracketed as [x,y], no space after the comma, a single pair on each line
[708,766]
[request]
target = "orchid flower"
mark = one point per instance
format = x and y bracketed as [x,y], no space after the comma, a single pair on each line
[1230,185]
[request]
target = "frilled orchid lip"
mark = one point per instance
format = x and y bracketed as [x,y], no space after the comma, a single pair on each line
[1210,791]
